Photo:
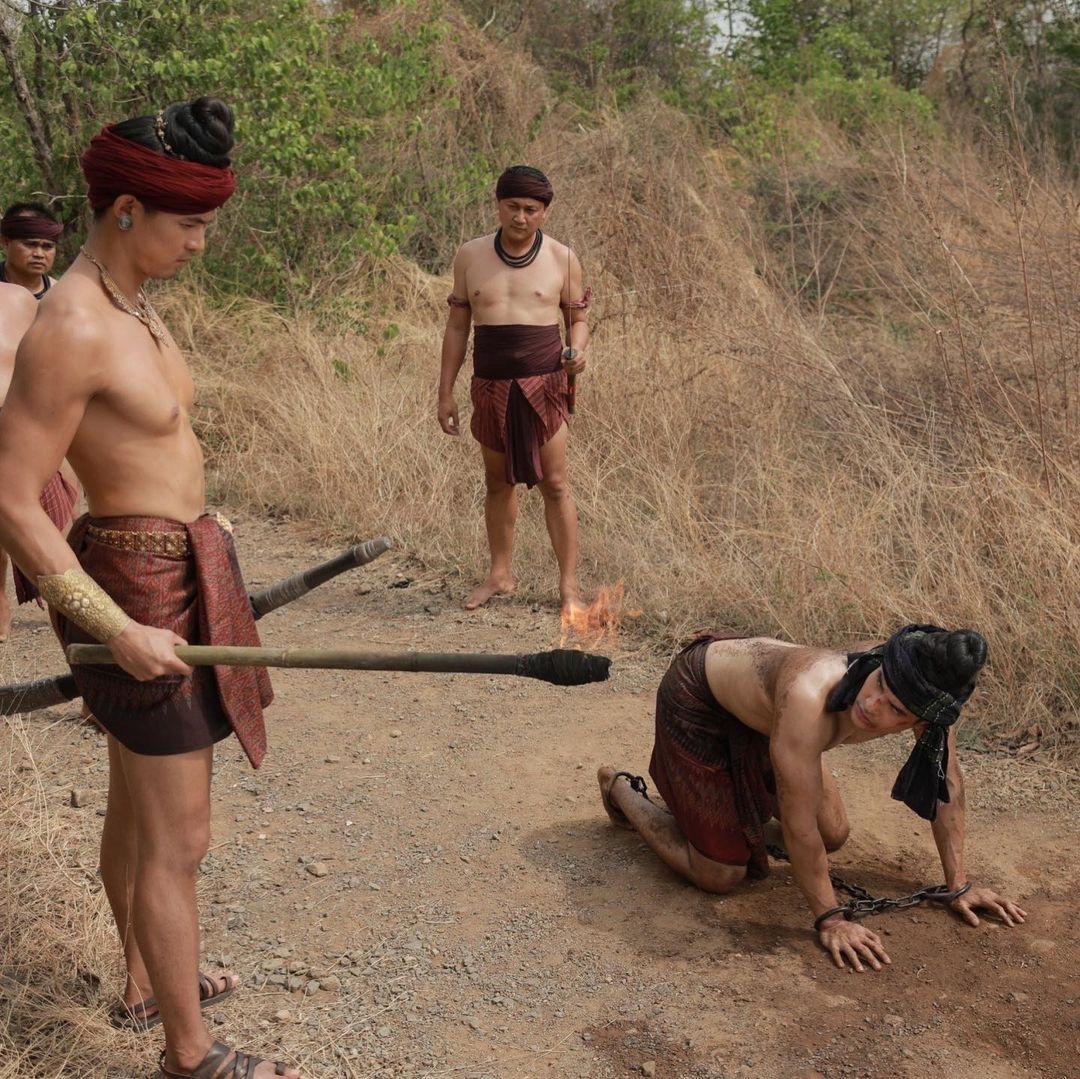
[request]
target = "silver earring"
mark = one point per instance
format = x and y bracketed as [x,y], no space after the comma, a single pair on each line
[124,222]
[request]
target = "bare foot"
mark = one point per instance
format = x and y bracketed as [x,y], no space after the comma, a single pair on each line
[570,602]
[607,777]
[5,616]
[493,586]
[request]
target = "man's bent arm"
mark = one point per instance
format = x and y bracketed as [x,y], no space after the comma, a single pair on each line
[796,751]
[456,335]
[576,318]
[57,371]
[948,829]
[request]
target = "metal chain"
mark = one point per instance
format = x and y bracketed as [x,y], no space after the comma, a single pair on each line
[863,902]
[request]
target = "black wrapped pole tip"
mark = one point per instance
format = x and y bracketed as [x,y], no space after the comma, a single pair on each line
[565,667]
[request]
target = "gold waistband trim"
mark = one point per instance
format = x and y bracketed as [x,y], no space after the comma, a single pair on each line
[171,544]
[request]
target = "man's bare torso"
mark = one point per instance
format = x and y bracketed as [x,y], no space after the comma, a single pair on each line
[134,450]
[500,295]
[749,677]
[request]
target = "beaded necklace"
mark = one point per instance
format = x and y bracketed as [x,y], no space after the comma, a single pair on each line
[140,309]
[517,262]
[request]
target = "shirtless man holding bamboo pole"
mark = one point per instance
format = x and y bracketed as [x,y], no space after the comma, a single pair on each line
[98,378]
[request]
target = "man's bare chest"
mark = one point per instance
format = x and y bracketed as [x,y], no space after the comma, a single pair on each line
[492,283]
[147,387]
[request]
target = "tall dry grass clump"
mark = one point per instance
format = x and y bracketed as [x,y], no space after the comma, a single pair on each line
[58,948]
[891,444]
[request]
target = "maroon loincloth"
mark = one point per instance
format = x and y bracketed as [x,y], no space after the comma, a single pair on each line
[713,772]
[57,500]
[519,392]
[201,597]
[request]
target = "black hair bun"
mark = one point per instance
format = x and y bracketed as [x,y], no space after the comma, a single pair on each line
[952,661]
[201,130]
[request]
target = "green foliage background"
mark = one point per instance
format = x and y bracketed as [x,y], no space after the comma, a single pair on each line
[361,136]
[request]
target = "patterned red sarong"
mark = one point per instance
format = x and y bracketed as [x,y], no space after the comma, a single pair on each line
[713,772]
[58,501]
[202,598]
[519,392]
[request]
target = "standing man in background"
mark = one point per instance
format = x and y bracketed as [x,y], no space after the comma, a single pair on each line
[28,233]
[512,286]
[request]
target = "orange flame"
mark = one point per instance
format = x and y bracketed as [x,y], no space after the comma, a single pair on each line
[586,627]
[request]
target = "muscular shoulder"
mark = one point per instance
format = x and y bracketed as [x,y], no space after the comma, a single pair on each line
[68,333]
[471,249]
[17,306]
[803,681]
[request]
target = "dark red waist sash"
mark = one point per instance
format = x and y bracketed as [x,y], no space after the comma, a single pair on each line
[200,597]
[516,351]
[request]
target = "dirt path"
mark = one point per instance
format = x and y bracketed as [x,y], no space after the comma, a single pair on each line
[420,881]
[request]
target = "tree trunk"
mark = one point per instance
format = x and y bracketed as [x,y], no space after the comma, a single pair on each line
[38,138]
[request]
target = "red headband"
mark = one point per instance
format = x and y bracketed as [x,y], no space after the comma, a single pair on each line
[30,225]
[520,185]
[115,166]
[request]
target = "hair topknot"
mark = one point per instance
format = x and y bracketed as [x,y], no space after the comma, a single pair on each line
[952,661]
[199,130]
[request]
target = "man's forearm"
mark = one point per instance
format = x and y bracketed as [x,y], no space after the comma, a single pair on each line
[579,335]
[35,544]
[454,346]
[810,867]
[949,835]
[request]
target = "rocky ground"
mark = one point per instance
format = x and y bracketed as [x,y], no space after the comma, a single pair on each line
[420,880]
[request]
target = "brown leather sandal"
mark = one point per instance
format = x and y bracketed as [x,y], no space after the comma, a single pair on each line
[144,1014]
[221,1062]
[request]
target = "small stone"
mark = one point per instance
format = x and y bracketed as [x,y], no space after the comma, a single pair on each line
[395,733]
[283,1016]
[474,1024]
[384,1032]
[295,982]
[80,797]
[317,869]
[1017,998]
[332,760]
[648,1067]
[894,1021]
[312,987]
[331,983]
[220,1018]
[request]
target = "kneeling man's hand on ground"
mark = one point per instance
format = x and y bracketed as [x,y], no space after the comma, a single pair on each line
[988,900]
[853,942]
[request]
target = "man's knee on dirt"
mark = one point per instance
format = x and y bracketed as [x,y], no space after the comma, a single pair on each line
[835,836]
[717,878]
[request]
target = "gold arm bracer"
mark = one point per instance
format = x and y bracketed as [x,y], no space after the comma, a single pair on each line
[78,597]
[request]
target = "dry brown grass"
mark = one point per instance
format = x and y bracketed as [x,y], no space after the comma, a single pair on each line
[56,936]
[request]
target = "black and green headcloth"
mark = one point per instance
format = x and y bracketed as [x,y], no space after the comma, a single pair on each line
[932,676]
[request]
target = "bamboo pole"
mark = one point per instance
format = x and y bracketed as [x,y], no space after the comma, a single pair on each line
[561,666]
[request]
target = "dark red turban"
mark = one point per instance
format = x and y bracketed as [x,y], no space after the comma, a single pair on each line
[521,182]
[115,166]
[30,225]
